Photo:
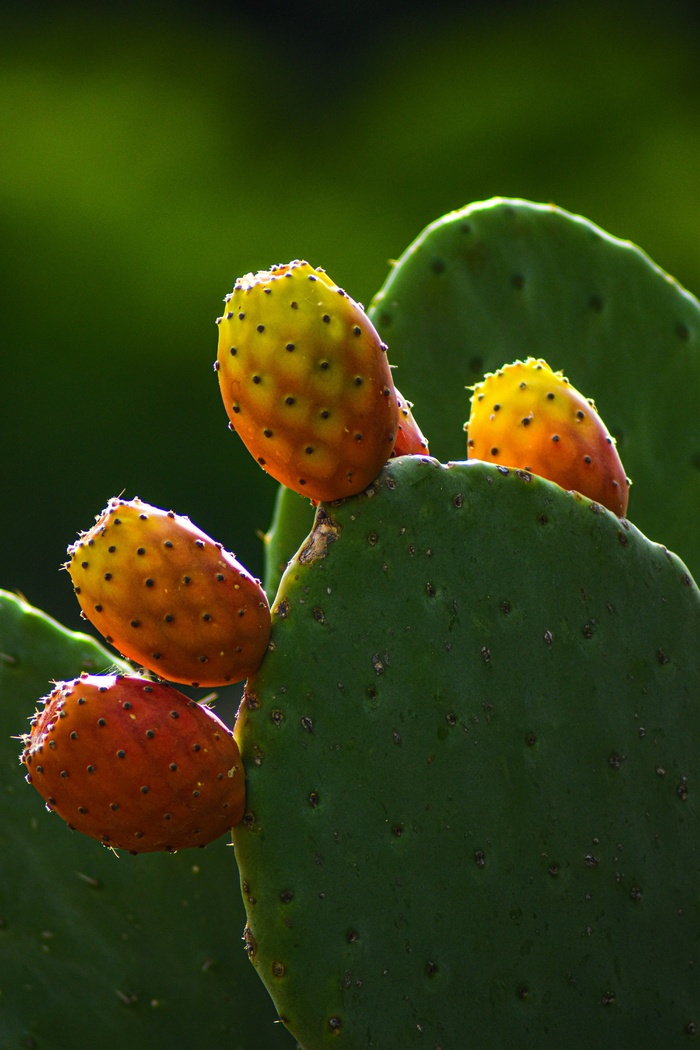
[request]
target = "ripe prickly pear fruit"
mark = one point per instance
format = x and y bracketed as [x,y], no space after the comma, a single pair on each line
[526,416]
[168,597]
[135,764]
[305,381]
[410,440]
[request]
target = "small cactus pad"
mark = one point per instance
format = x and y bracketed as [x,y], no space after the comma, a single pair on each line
[505,279]
[168,597]
[135,764]
[471,755]
[292,518]
[526,416]
[97,950]
[305,381]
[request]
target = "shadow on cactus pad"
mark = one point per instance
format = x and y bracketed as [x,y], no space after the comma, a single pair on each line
[471,757]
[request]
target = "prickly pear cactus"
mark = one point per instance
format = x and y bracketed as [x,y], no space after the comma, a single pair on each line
[93,943]
[471,745]
[471,755]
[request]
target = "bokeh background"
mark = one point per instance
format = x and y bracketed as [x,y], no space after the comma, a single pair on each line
[150,154]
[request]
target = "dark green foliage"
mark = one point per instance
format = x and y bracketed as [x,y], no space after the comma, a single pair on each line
[500,280]
[471,756]
[100,950]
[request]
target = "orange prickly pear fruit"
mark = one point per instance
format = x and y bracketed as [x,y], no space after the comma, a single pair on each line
[168,597]
[526,416]
[409,438]
[135,764]
[305,381]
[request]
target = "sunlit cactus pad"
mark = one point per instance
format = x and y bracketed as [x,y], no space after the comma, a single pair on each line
[471,758]
[507,278]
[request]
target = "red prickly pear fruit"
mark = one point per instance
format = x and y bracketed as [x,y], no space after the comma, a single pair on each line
[135,764]
[168,597]
[528,417]
[305,381]
[409,438]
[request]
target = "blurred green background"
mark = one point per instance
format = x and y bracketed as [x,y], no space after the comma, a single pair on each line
[151,154]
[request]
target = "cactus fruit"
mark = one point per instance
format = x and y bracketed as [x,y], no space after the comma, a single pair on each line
[168,597]
[305,381]
[410,440]
[528,417]
[135,764]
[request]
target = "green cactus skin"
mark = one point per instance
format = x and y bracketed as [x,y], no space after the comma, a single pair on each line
[472,760]
[292,518]
[143,951]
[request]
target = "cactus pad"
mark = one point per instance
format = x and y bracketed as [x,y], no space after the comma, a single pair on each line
[100,950]
[506,279]
[471,757]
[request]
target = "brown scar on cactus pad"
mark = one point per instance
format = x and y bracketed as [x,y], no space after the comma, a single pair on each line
[305,381]
[169,597]
[528,417]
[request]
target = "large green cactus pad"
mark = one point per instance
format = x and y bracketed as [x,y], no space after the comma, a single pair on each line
[502,279]
[97,950]
[472,764]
